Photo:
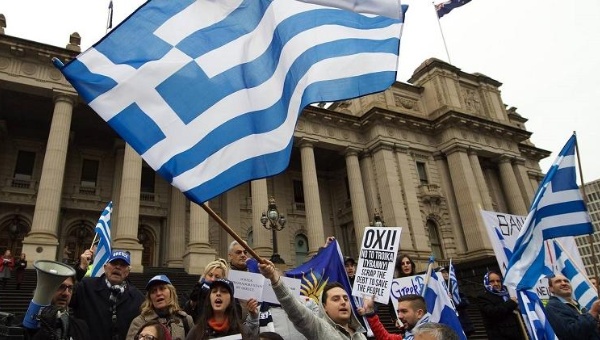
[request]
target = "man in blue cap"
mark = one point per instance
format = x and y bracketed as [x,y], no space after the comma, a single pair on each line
[110,302]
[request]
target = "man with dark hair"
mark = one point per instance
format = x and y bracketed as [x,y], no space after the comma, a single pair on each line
[412,312]
[435,331]
[567,317]
[110,302]
[338,321]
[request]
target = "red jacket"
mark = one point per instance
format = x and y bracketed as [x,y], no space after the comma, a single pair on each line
[10,264]
[379,331]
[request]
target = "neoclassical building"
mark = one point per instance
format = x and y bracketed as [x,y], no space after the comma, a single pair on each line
[426,155]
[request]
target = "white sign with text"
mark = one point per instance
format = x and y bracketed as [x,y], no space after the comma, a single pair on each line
[255,286]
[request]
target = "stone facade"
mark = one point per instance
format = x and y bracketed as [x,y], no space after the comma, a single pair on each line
[427,155]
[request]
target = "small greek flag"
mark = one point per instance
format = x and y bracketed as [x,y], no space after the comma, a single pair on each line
[583,291]
[104,249]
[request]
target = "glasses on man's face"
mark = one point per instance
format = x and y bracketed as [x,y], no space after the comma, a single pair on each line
[145,337]
[240,252]
[63,287]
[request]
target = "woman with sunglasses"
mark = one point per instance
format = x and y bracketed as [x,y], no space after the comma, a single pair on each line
[220,317]
[161,305]
[153,330]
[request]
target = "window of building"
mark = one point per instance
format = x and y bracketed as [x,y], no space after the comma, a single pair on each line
[421,169]
[301,245]
[89,173]
[147,183]
[24,166]
[435,240]
[298,191]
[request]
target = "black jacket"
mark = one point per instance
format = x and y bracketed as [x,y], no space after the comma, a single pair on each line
[91,303]
[499,318]
[568,323]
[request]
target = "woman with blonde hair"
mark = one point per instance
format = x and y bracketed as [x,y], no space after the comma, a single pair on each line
[161,305]
[217,269]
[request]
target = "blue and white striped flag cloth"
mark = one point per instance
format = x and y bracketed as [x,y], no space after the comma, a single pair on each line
[453,284]
[439,305]
[209,92]
[583,291]
[534,315]
[557,210]
[104,249]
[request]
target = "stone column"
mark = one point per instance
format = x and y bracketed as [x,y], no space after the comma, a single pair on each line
[261,237]
[415,226]
[119,148]
[199,252]
[176,229]
[515,201]
[468,201]
[360,213]
[42,241]
[393,208]
[129,210]
[370,185]
[446,184]
[312,201]
[478,172]
[523,179]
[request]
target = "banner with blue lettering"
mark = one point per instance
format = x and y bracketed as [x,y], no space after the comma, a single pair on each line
[375,270]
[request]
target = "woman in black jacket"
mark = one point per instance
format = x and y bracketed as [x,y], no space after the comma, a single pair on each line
[499,310]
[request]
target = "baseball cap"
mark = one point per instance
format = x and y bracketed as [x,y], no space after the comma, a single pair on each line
[225,283]
[349,259]
[120,255]
[158,279]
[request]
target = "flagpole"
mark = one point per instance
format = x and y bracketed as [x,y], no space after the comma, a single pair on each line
[230,231]
[585,200]
[93,241]
[427,275]
[442,33]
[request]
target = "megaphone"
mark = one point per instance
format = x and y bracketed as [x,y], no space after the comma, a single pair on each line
[50,275]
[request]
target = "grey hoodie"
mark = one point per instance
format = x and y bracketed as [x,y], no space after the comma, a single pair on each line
[312,326]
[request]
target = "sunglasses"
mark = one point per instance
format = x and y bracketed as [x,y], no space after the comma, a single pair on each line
[145,337]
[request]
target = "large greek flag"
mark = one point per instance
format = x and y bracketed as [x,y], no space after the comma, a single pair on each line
[440,306]
[583,291]
[534,315]
[557,210]
[104,249]
[209,92]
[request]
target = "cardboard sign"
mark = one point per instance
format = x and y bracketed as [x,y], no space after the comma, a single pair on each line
[255,286]
[375,270]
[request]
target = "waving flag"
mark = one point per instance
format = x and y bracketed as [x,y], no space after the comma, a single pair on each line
[447,6]
[439,305]
[453,284]
[209,92]
[583,291]
[531,307]
[557,210]
[104,250]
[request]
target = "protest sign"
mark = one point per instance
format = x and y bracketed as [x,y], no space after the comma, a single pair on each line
[250,285]
[376,262]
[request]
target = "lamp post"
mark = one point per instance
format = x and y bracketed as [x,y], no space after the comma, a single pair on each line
[274,221]
[377,220]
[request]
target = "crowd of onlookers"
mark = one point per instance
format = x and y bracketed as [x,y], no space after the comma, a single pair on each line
[109,307]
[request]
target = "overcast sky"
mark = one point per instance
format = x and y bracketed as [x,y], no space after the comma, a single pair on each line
[546,54]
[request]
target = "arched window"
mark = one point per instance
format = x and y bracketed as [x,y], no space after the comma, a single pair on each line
[435,240]
[250,239]
[301,246]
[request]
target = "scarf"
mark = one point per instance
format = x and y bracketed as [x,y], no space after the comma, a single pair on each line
[115,290]
[219,327]
[486,283]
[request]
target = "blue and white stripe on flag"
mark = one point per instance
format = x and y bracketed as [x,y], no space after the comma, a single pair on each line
[439,305]
[583,291]
[557,210]
[104,249]
[533,313]
[209,92]
[453,284]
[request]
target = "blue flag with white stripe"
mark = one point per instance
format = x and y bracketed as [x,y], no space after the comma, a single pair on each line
[104,245]
[583,291]
[534,314]
[440,307]
[557,210]
[453,284]
[209,92]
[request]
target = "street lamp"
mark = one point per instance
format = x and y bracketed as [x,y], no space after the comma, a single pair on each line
[276,222]
[377,220]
